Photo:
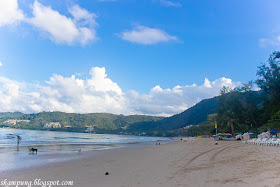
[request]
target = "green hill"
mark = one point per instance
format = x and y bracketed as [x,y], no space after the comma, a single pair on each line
[192,116]
[103,122]
[9,114]
[111,123]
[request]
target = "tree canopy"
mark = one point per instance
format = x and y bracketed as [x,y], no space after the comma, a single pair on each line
[242,109]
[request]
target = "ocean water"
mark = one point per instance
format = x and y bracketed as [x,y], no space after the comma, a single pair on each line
[58,146]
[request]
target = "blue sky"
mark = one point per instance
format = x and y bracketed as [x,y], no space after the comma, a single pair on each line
[155,57]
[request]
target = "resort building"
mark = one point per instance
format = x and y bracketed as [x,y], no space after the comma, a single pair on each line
[124,128]
[14,121]
[50,125]
[67,126]
[89,129]
[186,127]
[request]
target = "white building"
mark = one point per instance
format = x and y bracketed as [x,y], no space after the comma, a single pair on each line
[50,125]
[14,121]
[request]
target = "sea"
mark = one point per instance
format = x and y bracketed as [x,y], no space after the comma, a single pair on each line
[54,146]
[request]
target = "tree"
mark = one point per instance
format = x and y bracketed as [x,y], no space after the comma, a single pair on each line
[246,87]
[225,90]
[274,122]
[238,109]
[269,76]
[230,109]
[269,82]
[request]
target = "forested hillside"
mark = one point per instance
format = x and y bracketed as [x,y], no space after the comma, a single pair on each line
[242,109]
[192,116]
[9,114]
[102,121]
[110,123]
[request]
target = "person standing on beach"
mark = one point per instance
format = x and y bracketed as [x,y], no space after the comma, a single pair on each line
[18,141]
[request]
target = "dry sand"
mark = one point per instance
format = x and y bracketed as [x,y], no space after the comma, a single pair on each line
[197,162]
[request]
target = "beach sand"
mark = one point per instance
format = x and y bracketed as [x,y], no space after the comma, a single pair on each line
[197,162]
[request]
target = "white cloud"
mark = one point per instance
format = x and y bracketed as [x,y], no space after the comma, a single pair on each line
[1,64]
[274,41]
[62,29]
[98,93]
[147,36]
[69,94]
[170,3]
[82,17]
[14,98]
[9,12]
[207,83]
[171,101]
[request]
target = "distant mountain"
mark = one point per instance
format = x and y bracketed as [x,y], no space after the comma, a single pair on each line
[192,116]
[103,122]
[9,114]
[111,123]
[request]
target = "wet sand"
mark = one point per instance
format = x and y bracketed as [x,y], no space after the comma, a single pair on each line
[197,162]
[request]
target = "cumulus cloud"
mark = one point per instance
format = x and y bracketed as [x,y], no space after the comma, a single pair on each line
[170,3]
[98,93]
[166,102]
[274,41]
[147,36]
[14,98]
[9,12]
[62,29]
[69,94]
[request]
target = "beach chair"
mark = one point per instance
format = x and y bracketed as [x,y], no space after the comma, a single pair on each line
[272,143]
[266,142]
[253,141]
[258,141]
[269,142]
[263,141]
[250,141]
[276,142]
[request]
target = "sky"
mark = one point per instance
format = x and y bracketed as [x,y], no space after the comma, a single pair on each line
[152,57]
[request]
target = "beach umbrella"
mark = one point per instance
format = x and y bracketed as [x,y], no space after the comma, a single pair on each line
[273,131]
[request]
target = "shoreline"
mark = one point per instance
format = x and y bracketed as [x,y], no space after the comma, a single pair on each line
[197,162]
[42,158]
[58,147]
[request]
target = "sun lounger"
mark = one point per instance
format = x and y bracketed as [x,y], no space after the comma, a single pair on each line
[263,141]
[258,141]
[269,142]
[276,143]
